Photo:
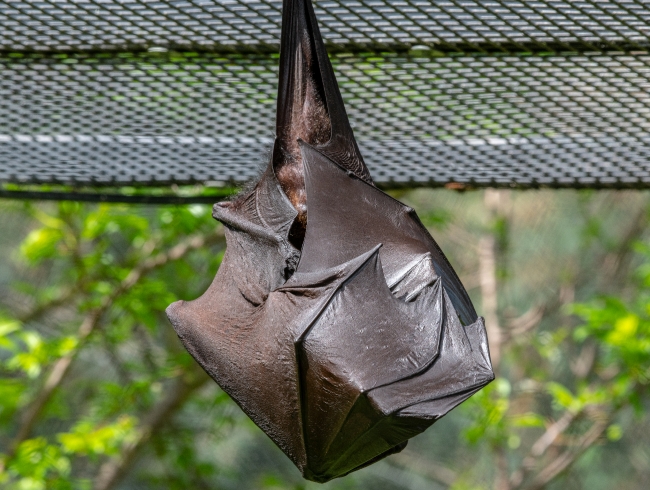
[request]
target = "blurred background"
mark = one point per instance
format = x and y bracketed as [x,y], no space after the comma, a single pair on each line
[97,391]
[519,132]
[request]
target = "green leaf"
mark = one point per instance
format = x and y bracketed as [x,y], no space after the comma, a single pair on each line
[561,395]
[624,330]
[89,440]
[614,432]
[7,327]
[41,243]
[528,420]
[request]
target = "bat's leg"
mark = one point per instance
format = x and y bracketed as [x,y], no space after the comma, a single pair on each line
[302,109]
[310,109]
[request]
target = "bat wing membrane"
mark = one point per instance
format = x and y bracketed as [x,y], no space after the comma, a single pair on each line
[347,216]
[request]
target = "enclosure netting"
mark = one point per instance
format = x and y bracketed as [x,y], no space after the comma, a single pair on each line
[528,93]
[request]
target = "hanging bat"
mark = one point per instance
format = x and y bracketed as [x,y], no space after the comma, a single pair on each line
[335,321]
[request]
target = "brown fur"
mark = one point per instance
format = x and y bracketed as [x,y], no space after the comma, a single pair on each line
[310,122]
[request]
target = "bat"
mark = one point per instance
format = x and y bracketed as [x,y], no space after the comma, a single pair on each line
[334,321]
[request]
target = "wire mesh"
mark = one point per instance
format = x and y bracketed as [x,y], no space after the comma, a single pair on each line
[455,25]
[462,92]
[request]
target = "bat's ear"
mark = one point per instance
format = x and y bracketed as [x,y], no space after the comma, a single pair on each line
[309,100]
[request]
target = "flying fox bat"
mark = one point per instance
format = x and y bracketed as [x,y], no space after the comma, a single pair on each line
[335,321]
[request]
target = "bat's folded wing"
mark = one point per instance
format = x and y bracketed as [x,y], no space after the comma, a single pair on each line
[389,353]
[347,216]
[363,338]
[462,367]
[376,370]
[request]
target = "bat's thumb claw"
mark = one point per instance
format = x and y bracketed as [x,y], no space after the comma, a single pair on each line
[175,316]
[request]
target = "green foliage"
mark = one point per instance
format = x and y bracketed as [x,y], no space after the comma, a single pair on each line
[621,330]
[601,367]
[488,412]
[87,285]
[83,255]
[89,439]
[39,466]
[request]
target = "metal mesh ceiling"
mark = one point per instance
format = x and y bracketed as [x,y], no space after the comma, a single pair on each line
[479,93]
[78,25]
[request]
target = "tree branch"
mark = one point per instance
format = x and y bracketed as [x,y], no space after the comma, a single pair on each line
[429,469]
[43,308]
[112,472]
[488,280]
[540,446]
[617,262]
[568,457]
[530,319]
